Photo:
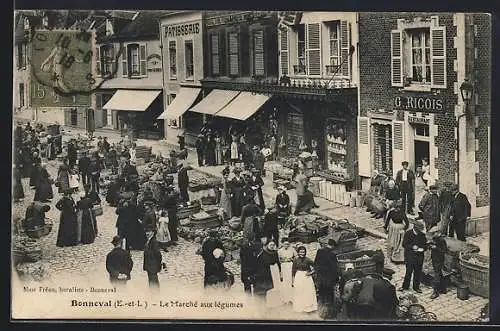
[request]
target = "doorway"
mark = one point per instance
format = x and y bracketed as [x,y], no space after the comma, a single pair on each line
[421,151]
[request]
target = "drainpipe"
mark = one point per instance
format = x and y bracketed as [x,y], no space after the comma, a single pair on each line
[458,144]
[162,79]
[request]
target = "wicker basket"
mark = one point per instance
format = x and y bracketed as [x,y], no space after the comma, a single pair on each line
[41,231]
[344,245]
[367,265]
[474,275]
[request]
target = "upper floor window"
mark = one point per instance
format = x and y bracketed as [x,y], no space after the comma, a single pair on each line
[135,65]
[188,52]
[106,60]
[21,56]
[301,50]
[21,95]
[258,53]
[334,36]
[172,56]
[418,54]
[215,54]
[233,52]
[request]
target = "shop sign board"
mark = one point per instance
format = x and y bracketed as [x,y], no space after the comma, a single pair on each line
[420,104]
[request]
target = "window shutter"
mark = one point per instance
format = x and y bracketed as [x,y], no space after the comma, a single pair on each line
[283,51]
[345,44]
[98,101]
[112,59]
[142,60]
[438,57]
[98,61]
[67,115]
[233,54]
[313,51]
[124,61]
[364,147]
[398,144]
[397,58]
[258,48]
[215,54]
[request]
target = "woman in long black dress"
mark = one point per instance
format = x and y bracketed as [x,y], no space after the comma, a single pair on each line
[217,276]
[236,185]
[263,277]
[129,227]
[17,184]
[87,220]
[43,185]
[68,226]
[36,161]
[63,176]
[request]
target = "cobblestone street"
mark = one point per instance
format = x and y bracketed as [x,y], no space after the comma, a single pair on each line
[185,268]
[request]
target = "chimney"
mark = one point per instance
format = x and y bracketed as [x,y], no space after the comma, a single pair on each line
[109,27]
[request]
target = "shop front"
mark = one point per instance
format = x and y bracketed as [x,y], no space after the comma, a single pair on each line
[137,113]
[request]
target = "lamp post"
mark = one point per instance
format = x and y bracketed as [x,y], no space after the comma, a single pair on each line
[466,91]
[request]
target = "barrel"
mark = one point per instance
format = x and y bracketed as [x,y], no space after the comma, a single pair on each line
[463,292]
[315,185]
[359,200]
[352,202]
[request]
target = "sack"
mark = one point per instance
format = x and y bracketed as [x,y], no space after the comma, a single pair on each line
[98,211]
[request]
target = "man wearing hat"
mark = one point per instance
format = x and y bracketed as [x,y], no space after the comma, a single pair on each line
[283,201]
[270,227]
[200,147]
[257,183]
[183,181]
[460,213]
[152,259]
[119,262]
[328,275]
[414,244]
[429,205]
[405,180]
[438,247]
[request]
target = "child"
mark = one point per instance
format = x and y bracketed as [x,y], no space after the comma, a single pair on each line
[74,179]
[163,235]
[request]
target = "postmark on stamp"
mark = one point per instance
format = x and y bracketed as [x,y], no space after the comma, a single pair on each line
[62,68]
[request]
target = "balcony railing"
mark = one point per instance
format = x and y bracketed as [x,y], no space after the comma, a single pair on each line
[285,86]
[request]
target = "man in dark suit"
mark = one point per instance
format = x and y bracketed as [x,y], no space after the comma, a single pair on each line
[328,275]
[183,182]
[270,228]
[405,180]
[119,262]
[460,213]
[83,166]
[414,244]
[283,205]
[72,154]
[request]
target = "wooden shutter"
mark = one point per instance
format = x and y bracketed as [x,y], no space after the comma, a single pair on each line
[397,58]
[313,49]
[98,60]
[345,44]
[112,59]
[98,101]
[215,58]
[283,51]
[124,61]
[258,53]
[142,60]
[234,63]
[438,57]
[364,147]
[67,115]
[398,145]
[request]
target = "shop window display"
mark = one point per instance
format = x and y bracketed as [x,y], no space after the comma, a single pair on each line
[336,141]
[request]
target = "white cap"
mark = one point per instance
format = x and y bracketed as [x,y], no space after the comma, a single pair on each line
[218,253]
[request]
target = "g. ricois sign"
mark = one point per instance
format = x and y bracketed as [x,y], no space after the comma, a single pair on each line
[423,104]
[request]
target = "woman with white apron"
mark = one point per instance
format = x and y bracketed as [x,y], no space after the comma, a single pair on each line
[286,255]
[304,291]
